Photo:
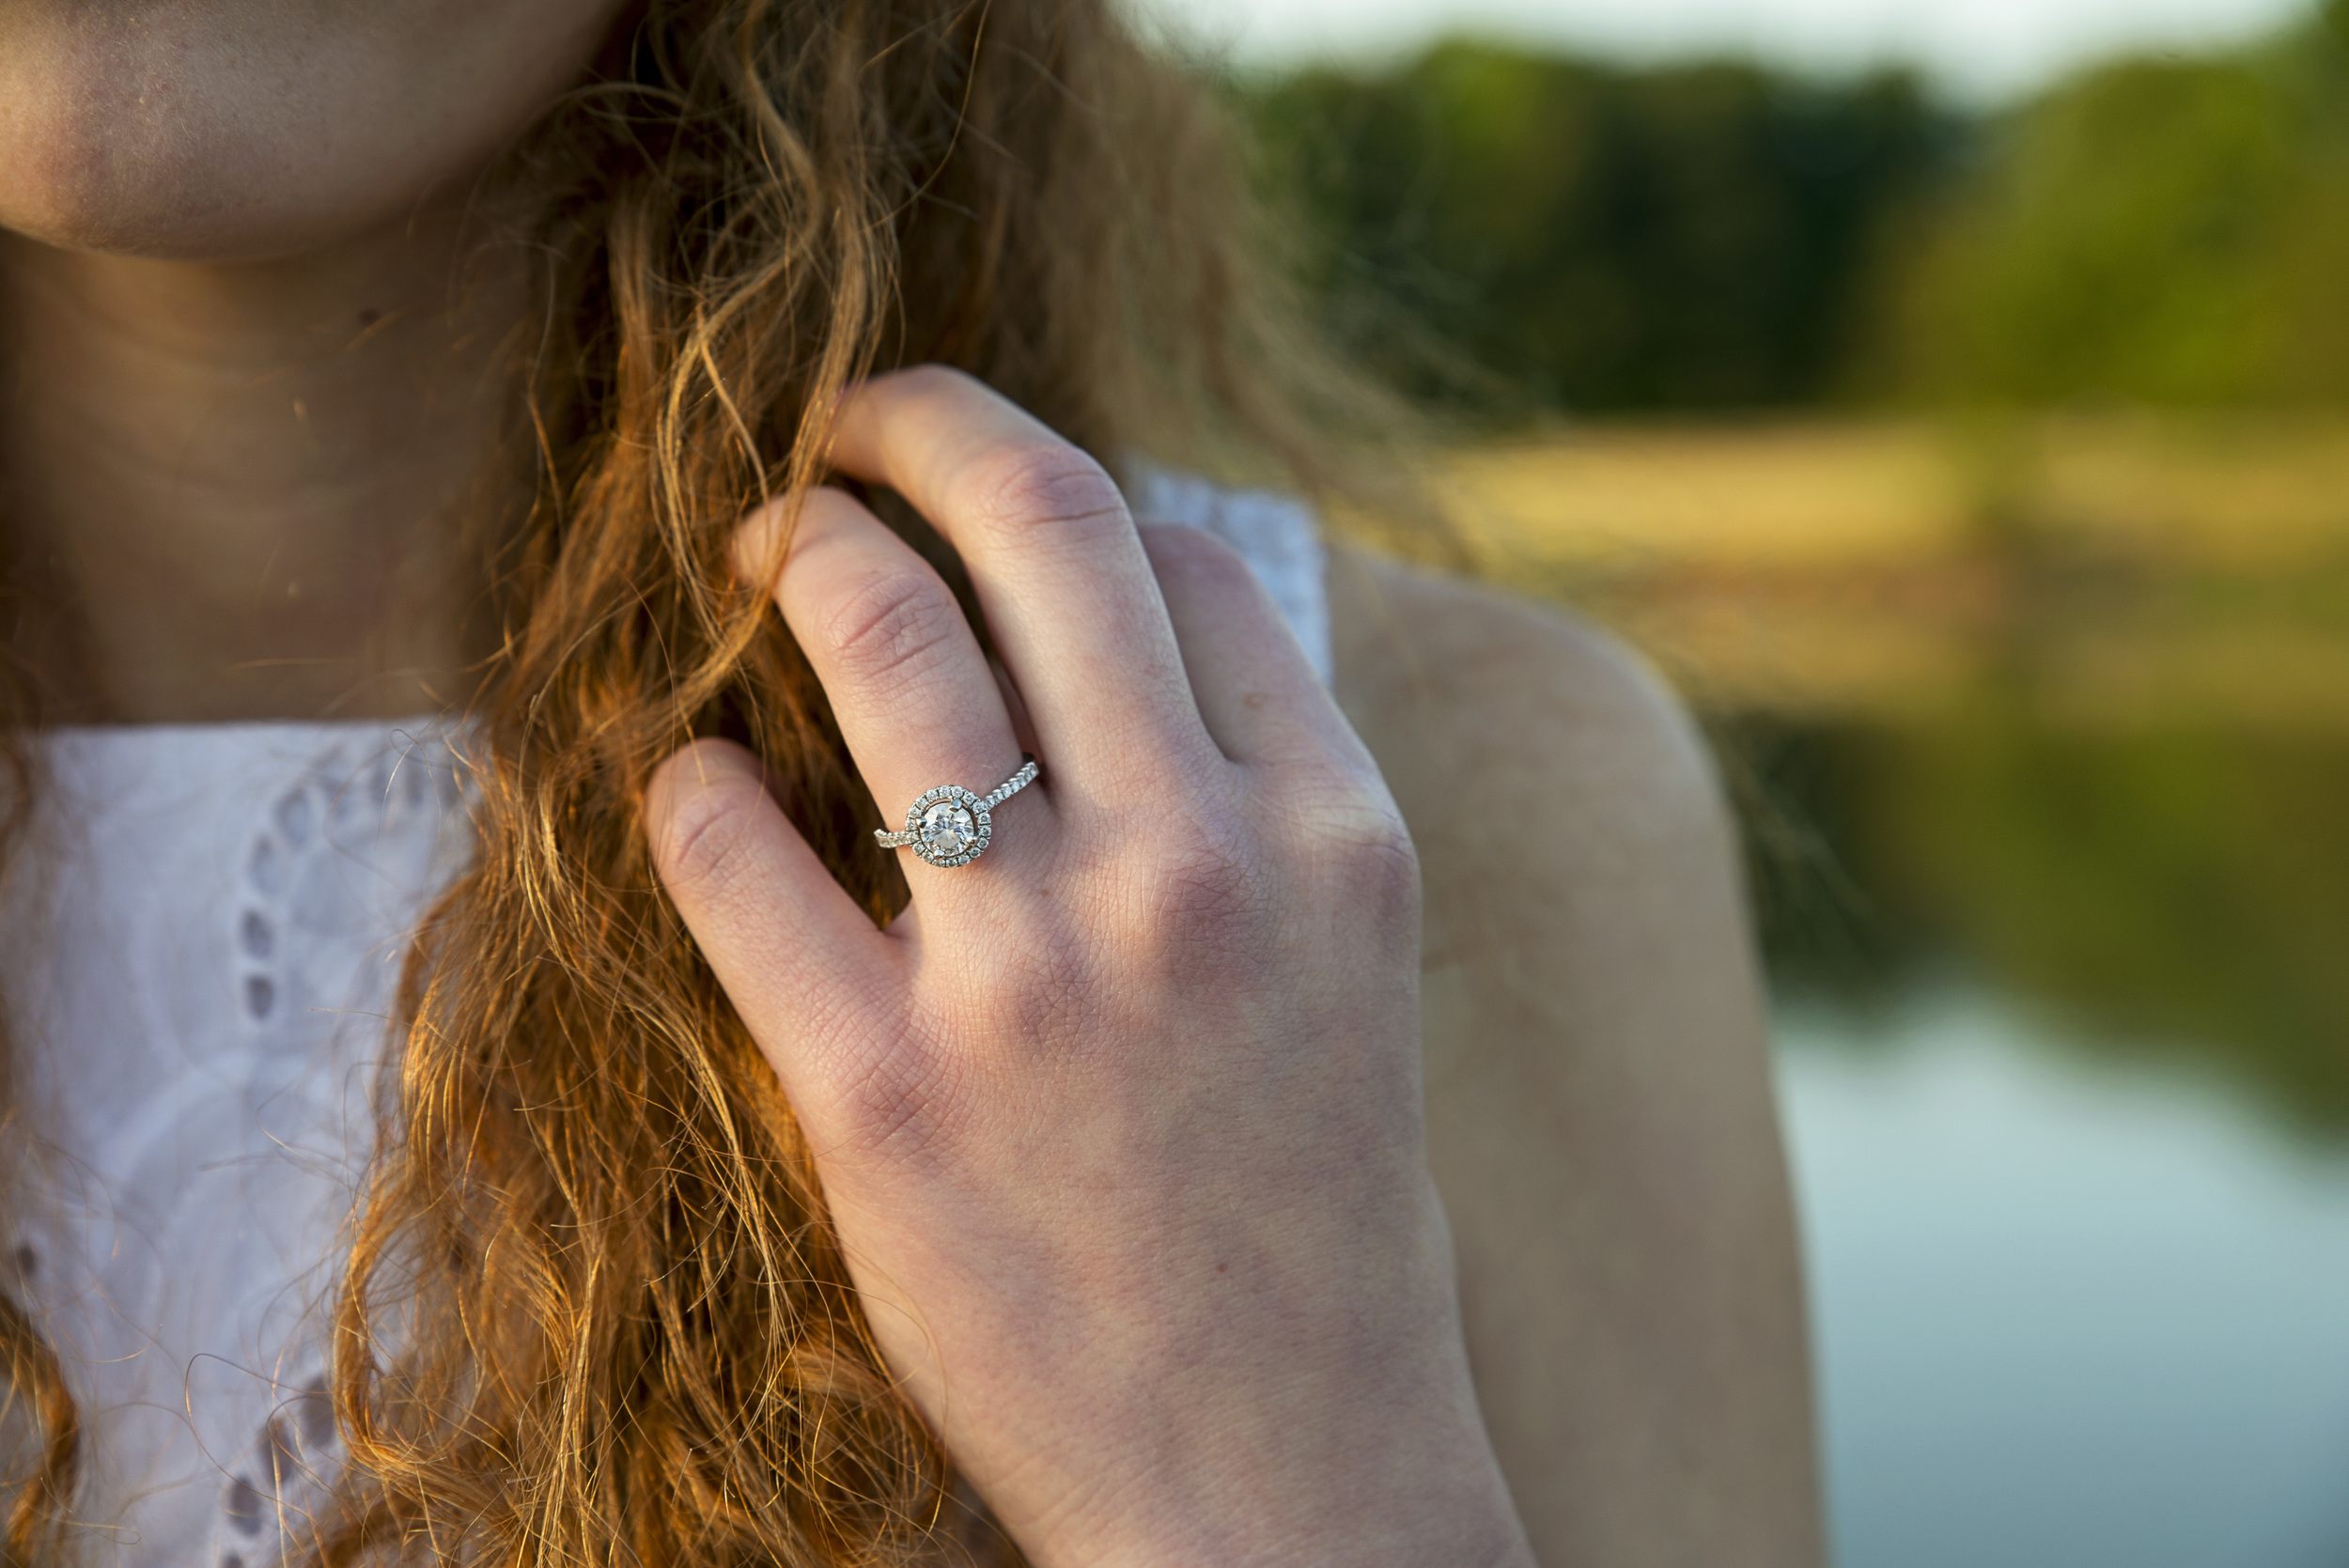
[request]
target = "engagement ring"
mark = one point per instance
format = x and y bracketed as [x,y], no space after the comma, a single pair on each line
[949,826]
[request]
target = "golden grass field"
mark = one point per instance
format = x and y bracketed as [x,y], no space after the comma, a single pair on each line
[2112,567]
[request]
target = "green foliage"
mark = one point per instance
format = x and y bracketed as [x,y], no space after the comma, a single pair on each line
[1515,232]
[1569,235]
[2162,231]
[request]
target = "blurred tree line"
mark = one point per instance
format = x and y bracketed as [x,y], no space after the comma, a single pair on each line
[1517,232]
[1507,233]
[2172,890]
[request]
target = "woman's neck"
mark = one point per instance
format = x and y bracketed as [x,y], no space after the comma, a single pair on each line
[239,486]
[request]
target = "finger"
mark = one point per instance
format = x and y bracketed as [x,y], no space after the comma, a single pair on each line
[913,694]
[783,938]
[1053,556]
[1255,687]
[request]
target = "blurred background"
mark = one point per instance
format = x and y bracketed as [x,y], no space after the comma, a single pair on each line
[1953,398]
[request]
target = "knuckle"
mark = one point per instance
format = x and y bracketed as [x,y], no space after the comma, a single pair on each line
[901,1104]
[1352,837]
[892,629]
[1373,861]
[1047,485]
[1197,560]
[1196,876]
[1049,979]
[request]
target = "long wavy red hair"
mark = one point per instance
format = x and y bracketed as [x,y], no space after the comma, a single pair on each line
[594,1311]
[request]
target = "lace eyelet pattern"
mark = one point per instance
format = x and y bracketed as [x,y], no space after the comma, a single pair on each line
[223,911]
[385,791]
[273,1499]
[317,853]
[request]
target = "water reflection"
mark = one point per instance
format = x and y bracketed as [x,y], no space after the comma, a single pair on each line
[2178,893]
[2078,1222]
[2066,1316]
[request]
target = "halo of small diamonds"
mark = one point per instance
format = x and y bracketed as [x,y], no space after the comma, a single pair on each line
[949,826]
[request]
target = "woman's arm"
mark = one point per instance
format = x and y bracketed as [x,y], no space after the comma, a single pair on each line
[1600,1116]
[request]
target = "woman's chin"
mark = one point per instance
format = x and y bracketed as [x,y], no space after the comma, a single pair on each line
[215,135]
[188,225]
[234,225]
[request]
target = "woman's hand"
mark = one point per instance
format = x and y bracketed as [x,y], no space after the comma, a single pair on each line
[1120,1125]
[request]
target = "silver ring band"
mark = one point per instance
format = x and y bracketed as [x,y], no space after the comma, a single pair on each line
[949,826]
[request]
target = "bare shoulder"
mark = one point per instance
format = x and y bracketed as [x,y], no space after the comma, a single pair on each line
[1525,745]
[1601,1115]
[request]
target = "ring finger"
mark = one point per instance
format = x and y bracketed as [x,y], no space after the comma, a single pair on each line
[1058,569]
[915,699]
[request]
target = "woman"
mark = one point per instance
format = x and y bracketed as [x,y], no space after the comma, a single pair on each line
[422,362]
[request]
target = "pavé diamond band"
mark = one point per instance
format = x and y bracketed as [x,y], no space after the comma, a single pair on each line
[949,826]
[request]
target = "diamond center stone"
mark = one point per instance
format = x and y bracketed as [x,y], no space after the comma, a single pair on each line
[948,827]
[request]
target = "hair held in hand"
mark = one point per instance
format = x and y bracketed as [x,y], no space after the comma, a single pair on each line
[594,1311]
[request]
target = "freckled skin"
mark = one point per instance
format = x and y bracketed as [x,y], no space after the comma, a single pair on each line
[240,130]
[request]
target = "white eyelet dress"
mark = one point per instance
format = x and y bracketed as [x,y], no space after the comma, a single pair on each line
[207,931]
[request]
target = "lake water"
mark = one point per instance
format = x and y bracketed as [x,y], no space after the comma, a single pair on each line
[2070,1312]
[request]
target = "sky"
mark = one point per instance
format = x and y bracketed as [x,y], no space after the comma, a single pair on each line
[1979,51]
